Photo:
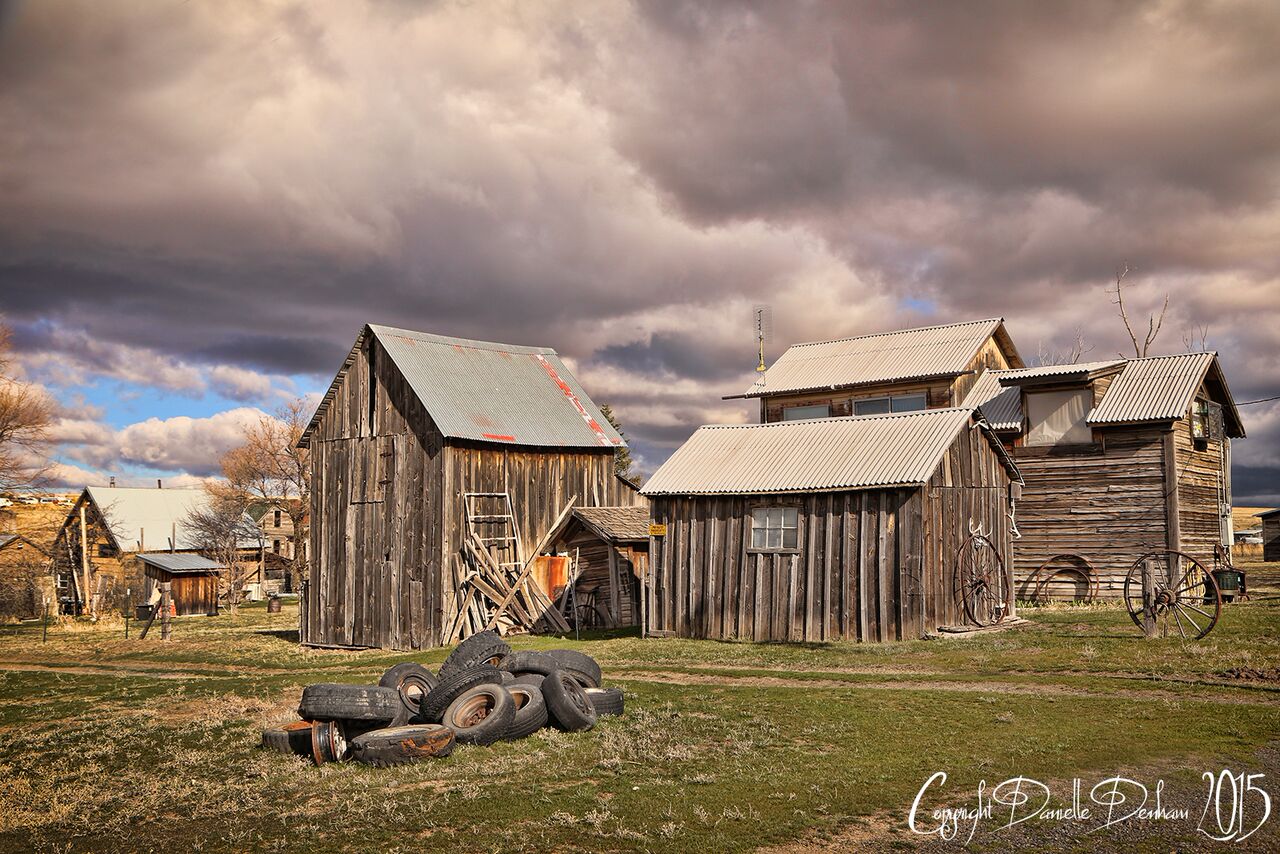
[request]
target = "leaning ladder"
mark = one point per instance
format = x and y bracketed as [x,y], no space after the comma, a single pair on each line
[500,533]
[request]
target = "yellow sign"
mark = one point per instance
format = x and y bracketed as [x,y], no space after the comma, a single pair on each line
[657,530]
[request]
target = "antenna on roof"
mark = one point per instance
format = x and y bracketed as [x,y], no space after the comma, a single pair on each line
[762,319]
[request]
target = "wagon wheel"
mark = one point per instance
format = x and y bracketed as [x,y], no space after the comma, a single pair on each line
[590,617]
[1186,595]
[981,581]
[1076,565]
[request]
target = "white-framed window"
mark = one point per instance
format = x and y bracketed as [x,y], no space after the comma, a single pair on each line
[800,413]
[891,403]
[775,528]
[1058,417]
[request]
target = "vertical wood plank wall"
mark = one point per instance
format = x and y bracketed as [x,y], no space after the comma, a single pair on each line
[1200,477]
[872,565]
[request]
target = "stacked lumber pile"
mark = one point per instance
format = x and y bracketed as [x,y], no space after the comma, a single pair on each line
[490,595]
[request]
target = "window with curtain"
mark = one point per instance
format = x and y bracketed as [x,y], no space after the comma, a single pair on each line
[775,528]
[1058,417]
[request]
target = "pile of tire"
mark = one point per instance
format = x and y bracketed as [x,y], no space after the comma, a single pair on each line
[484,693]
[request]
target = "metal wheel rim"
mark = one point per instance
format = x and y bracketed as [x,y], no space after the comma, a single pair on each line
[472,711]
[981,581]
[1180,604]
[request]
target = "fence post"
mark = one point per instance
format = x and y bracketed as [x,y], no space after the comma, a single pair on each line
[1149,598]
[166,604]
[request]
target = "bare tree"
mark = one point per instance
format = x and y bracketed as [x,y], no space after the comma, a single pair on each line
[1154,322]
[25,415]
[1071,356]
[221,529]
[270,468]
[1196,340]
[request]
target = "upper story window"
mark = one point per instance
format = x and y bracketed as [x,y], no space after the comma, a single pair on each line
[277,519]
[1058,417]
[799,413]
[775,528]
[893,403]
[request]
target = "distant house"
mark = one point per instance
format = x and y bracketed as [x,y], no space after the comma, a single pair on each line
[904,371]
[24,574]
[1270,535]
[416,434]
[1120,457]
[93,554]
[276,524]
[842,528]
[193,581]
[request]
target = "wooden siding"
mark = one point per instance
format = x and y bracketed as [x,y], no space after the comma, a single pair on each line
[871,565]
[1201,489]
[991,356]
[1271,538]
[192,594]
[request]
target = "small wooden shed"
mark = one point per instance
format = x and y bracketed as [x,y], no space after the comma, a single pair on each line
[611,547]
[193,581]
[1270,535]
[842,528]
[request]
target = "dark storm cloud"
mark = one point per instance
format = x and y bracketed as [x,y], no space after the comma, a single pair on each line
[238,188]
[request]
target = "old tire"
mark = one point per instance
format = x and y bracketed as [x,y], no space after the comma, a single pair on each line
[330,701]
[531,711]
[606,701]
[481,648]
[532,679]
[567,704]
[579,664]
[411,681]
[527,661]
[480,715]
[402,745]
[439,699]
[294,738]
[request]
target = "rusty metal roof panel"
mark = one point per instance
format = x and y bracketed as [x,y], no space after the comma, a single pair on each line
[1000,405]
[1158,388]
[826,454]
[498,393]
[906,354]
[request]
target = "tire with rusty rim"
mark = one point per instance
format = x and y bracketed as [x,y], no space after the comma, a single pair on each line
[481,648]
[567,703]
[480,715]
[434,705]
[606,701]
[330,701]
[294,738]
[581,665]
[402,745]
[328,742]
[411,681]
[531,711]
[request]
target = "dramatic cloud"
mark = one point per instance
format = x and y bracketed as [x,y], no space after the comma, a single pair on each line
[204,198]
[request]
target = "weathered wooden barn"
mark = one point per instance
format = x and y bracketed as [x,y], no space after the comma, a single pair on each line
[1120,458]
[824,529]
[902,371]
[1270,535]
[415,433]
[611,549]
[24,577]
[193,581]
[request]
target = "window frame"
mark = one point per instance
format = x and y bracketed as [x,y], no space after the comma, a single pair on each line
[785,506]
[1086,394]
[888,400]
[795,406]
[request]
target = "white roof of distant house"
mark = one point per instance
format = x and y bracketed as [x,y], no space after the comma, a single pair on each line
[905,354]
[819,455]
[149,518]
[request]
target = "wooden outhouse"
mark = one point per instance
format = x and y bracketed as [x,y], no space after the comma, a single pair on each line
[842,528]
[609,548]
[193,581]
[1121,458]
[416,432]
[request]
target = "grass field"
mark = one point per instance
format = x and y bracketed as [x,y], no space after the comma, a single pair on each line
[114,744]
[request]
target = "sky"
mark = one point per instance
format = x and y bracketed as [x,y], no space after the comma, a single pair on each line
[201,204]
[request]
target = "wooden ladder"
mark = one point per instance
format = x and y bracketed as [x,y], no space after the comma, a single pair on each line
[501,535]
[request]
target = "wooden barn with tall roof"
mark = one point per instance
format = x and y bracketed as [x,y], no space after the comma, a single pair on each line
[416,433]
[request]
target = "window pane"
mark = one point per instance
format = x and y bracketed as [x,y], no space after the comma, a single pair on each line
[871,406]
[775,517]
[790,517]
[758,538]
[775,538]
[910,403]
[1058,417]
[758,517]
[789,538]
[797,413]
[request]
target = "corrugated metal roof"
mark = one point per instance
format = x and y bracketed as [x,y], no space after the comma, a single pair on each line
[1001,406]
[148,517]
[883,357]
[180,563]
[489,392]
[811,456]
[617,523]
[1158,388]
[1059,370]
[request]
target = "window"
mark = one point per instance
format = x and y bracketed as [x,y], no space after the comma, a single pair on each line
[775,528]
[1058,417]
[894,403]
[106,550]
[799,413]
[277,519]
[275,547]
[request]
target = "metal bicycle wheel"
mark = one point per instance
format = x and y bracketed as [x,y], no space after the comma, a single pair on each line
[982,581]
[1185,596]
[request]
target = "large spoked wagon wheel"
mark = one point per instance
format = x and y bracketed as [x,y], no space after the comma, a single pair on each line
[1058,570]
[1184,594]
[982,581]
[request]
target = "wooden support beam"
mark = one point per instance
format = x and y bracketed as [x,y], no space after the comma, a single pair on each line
[528,567]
